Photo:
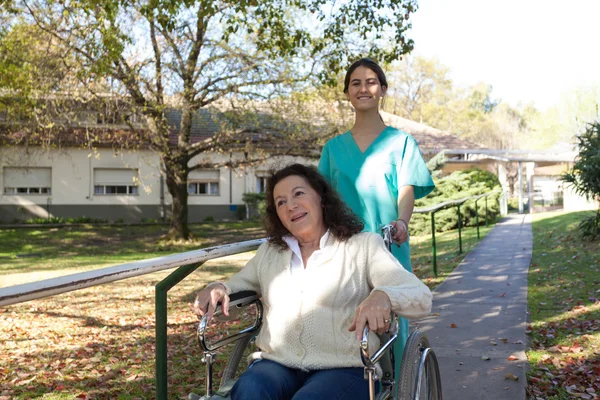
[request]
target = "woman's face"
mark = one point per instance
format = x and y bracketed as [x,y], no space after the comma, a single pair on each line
[364,89]
[299,208]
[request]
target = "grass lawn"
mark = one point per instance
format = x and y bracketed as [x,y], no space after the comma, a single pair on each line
[98,343]
[564,287]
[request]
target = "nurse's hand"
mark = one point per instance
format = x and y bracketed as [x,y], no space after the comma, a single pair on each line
[401,234]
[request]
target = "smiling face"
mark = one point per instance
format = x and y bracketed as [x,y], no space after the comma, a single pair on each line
[299,208]
[364,89]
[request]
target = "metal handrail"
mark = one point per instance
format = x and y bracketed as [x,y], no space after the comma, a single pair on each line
[453,203]
[68,283]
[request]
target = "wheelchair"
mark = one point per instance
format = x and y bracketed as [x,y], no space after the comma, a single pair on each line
[419,376]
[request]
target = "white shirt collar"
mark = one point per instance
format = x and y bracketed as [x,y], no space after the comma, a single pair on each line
[293,244]
[297,266]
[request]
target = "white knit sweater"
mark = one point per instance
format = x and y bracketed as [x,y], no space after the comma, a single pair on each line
[306,321]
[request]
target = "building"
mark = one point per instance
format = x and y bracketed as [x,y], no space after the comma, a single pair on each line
[115,180]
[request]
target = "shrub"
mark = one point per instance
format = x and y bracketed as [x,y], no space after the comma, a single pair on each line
[61,220]
[51,220]
[256,203]
[583,177]
[85,220]
[210,218]
[456,186]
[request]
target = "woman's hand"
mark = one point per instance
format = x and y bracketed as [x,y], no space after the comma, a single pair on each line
[375,310]
[401,234]
[208,298]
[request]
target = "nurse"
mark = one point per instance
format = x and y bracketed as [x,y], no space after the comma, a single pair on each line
[378,170]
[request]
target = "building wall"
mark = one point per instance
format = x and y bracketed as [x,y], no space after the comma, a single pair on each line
[73,193]
[574,202]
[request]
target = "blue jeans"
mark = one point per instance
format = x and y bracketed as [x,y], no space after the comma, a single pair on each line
[268,380]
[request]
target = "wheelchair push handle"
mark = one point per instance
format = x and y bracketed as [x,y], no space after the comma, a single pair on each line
[369,360]
[388,231]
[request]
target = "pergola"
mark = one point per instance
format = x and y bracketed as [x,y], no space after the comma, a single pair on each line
[486,159]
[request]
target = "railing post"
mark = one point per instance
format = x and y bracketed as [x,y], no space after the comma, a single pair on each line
[477,217]
[161,290]
[459,232]
[486,211]
[433,243]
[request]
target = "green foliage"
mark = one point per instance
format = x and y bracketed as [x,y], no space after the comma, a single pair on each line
[589,227]
[51,220]
[584,176]
[210,218]
[436,163]
[256,203]
[61,220]
[421,90]
[458,185]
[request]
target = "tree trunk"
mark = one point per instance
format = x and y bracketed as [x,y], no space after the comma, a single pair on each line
[176,179]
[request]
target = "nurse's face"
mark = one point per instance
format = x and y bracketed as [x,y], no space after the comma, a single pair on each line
[364,89]
[299,208]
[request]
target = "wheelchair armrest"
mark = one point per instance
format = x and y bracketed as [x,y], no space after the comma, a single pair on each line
[237,302]
[370,361]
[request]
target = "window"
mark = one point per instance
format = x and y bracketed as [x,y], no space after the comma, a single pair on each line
[203,182]
[261,184]
[27,180]
[211,188]
[115,181]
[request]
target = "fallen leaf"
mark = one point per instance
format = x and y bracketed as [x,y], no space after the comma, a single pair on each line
[452,325]
[503,294]
[485,358]
[512,358]
[511,376]
[131,378]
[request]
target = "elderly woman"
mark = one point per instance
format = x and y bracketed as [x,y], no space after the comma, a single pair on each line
[322,281]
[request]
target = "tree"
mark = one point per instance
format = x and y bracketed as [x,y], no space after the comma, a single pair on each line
[415,84]
[196,54]
[584,177]
[421,90]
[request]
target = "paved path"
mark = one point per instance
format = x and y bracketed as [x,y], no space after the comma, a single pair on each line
[485,298]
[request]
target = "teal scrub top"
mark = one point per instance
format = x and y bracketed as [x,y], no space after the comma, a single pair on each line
[369,182]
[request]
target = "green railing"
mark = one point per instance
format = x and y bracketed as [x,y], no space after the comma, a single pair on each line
[457,204]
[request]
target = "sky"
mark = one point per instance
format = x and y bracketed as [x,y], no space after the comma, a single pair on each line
[528,50]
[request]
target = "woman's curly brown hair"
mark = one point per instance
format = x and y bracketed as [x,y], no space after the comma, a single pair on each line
[337,217]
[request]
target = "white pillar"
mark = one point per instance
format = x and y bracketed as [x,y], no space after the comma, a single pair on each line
[530,167]
[520,187]
[504,182]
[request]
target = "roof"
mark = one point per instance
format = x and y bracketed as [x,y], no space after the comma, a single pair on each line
[511,155]
[430,140]
[258,127]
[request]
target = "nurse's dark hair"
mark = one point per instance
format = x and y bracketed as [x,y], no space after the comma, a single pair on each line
[373,66]
[338,218]
[367,63]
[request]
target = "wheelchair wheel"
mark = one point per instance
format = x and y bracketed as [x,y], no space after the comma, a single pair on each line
[419,372]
